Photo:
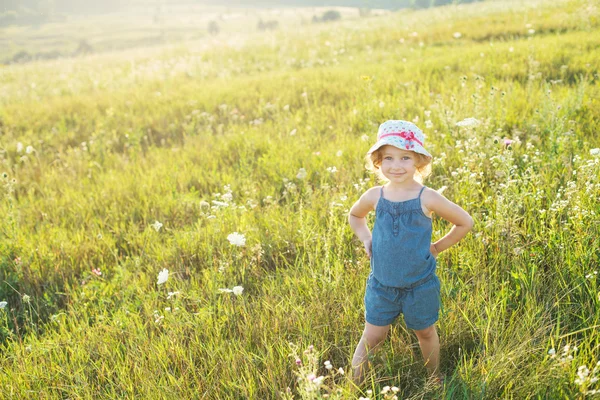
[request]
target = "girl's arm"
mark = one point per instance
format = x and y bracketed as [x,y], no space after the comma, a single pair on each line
[452,213]
[357,219]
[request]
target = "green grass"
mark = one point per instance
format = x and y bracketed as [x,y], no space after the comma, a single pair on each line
[124,139]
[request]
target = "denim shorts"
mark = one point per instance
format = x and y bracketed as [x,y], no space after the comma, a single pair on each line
[419,304]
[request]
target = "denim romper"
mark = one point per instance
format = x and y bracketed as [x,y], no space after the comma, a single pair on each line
[402,278]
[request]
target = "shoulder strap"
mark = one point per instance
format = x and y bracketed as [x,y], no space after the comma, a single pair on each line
[423,188]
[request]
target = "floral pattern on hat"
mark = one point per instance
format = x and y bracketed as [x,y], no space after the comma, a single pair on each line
[401,134]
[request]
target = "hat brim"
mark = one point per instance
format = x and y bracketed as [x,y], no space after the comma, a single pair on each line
[400,144]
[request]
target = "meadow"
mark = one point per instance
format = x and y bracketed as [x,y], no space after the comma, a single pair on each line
[174,218]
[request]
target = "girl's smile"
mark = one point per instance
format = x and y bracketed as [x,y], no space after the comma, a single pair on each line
[397,165]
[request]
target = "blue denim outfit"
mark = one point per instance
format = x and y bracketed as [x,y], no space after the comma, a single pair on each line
[402,278]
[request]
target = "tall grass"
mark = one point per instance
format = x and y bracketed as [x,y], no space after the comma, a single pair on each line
[210,142]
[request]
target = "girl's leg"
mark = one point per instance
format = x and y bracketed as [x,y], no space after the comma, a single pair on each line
[370,341]
[430,347]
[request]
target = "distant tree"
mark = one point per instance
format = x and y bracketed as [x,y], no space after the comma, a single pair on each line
[267,26]
[331,15]
[364,12]
[84,48]
[213,28]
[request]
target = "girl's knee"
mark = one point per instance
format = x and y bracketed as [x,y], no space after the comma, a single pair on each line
[427,333]
[373,335]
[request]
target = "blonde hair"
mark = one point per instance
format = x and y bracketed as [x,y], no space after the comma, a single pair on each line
[422,162]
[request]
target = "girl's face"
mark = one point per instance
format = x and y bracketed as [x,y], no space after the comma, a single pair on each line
[398,165]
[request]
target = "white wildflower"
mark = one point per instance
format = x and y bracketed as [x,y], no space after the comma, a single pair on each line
[19,147]
[171,294]
[225,290]
[29,149]
[339,153]
[237,290]
[595,152]
[163,276]
[365,138]
[468,122]
[3,304]
[157,225]
[457,35]
[332,169]
[301,173]
[26,298]
[236,239]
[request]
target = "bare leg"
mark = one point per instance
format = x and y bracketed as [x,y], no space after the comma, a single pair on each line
[430,347]
[370,341]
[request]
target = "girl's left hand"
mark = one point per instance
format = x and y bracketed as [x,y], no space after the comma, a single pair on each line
[433,250]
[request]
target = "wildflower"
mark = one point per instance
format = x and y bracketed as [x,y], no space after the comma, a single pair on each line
[339,153]
[167,308]
[552,352]
[311,377]
[508,142]
[341,371]
[381,104]
[171,294]
[328,364]
[157,225]
[318,381]
[225,290]
[428,124]
[26,298]
[237,290]
[364,138]
[468,122]
[19,147]
[595,152]
[301,173]
[332,169]
[3,304]
[531,31]
[97,271]
[293,132]
[163,276]
[457,35]
[17,260]
[236,239]
[286,107]
[29,149]
[298,361]
[365,78]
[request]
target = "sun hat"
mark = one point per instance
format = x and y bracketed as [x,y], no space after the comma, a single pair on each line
[401,134]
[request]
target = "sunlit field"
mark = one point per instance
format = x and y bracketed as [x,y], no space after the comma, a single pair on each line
[174,217]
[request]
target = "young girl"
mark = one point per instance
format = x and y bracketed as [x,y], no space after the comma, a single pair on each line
[403,259]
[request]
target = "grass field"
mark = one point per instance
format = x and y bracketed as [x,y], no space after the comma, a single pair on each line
[122,164]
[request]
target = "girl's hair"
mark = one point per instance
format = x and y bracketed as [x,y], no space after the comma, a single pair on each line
[422,162]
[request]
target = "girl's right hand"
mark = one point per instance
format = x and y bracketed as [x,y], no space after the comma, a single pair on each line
[368,246]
